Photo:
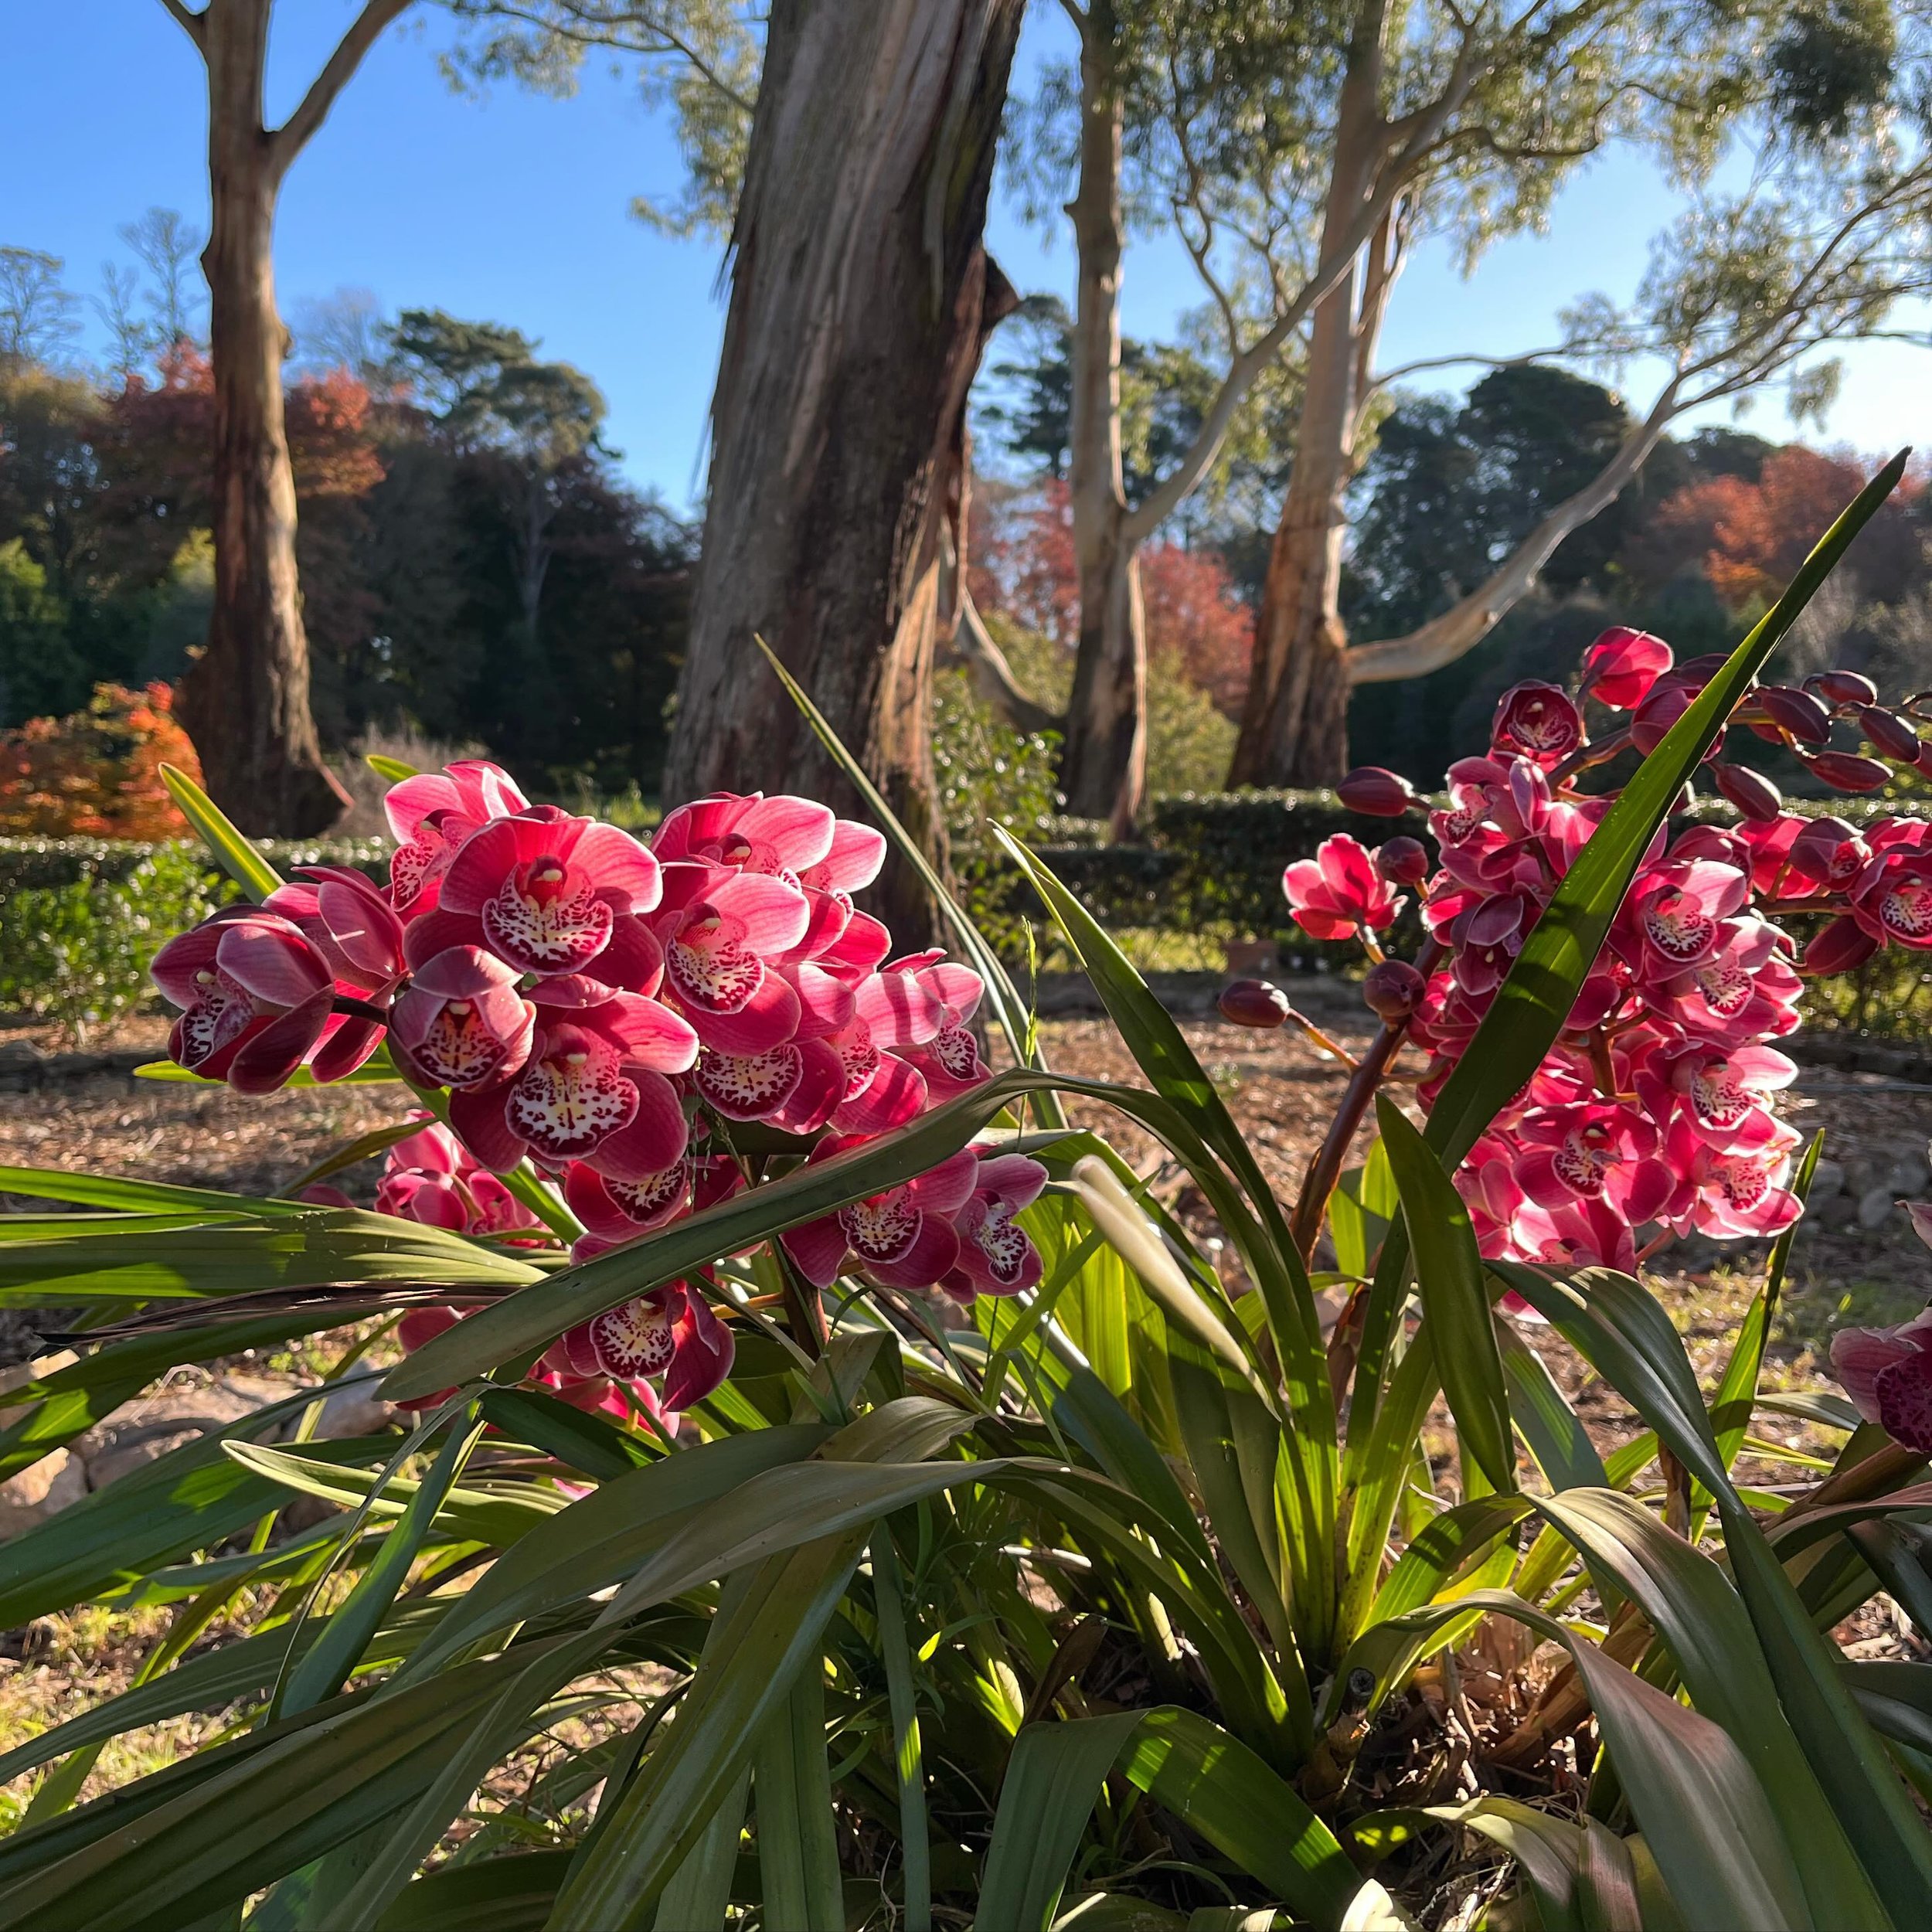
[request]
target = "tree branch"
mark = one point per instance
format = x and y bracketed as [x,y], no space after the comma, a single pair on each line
[992,675]
[293,135]
[190,22]
[1459,631]
[602,34]
[1173,489]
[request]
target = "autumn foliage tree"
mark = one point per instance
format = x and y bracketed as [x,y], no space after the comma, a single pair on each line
[1748,534]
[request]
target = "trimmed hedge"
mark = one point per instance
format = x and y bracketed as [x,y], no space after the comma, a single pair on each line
[47,864]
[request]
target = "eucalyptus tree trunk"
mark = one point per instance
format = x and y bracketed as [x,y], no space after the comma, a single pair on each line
[246,699]
[1294,722]
[859,302]
[1103,764]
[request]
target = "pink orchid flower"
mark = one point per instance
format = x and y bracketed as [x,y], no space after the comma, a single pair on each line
[1744,990]
[1621,667]
[1721,1095]
[722,932]
[618,1211]
[1677,910]
[888,1014]
[996,1255]
[946,1060]
[1893,899]
[796,839]
[903,1237]
[1887,1373]
[1729,1196]
[671,1333]
[594,1087]
[1339,891]
[430,1177]
[256,997]
[431,814]
[462,1023]
[1592,1150]
[549,894]
[1536,721]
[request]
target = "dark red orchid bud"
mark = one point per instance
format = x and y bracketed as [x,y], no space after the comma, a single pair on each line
[1845,771]
[1891,735]
[1621,667]
[1842,687]
[1842,945]
[1752,793]
[1253,1002]
[1669,700]
[1403,860]
[1378,794]
[1796,713]
[1394,989]
[1536,721]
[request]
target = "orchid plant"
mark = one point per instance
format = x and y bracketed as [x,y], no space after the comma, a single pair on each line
[822,1488]
[1652,1116]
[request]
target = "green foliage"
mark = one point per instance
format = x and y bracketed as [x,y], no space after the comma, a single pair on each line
[1082,1613]
[79,953]
[987,774]
[701,58]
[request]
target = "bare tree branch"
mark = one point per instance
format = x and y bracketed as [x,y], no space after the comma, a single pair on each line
[1173,489]
[992,675]
[1460,630]
[293,135]
[190,22]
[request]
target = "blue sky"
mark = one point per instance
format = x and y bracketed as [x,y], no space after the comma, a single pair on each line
[515,208]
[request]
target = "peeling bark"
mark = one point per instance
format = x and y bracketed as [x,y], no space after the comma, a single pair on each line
[861,295]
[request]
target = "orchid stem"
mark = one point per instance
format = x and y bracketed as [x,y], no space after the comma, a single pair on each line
[1311,1206]
[1322,1040]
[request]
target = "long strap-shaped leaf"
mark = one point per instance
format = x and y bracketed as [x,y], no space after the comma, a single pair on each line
[1162,1053]
[798,1851]
[1532,1004]
[1455,1297]
[1709,1636]
[1210,1780]
[1623,1333]
[232,853]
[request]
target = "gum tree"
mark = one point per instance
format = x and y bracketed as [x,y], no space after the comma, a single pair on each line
[247,700]
[1300,154]
[1825,236]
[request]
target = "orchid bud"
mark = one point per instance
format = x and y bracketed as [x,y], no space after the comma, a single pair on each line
[1403,860]
[1797,714]
[1842,687]
[1845,771]
[1621,667]
[1666,702]
[1750,791]
[1891,735]
[1377,794]
[1253,1002]
[1842,945]
[1393,990]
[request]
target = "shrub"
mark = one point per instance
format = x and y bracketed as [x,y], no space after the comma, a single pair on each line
[79,953]
[97,774]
